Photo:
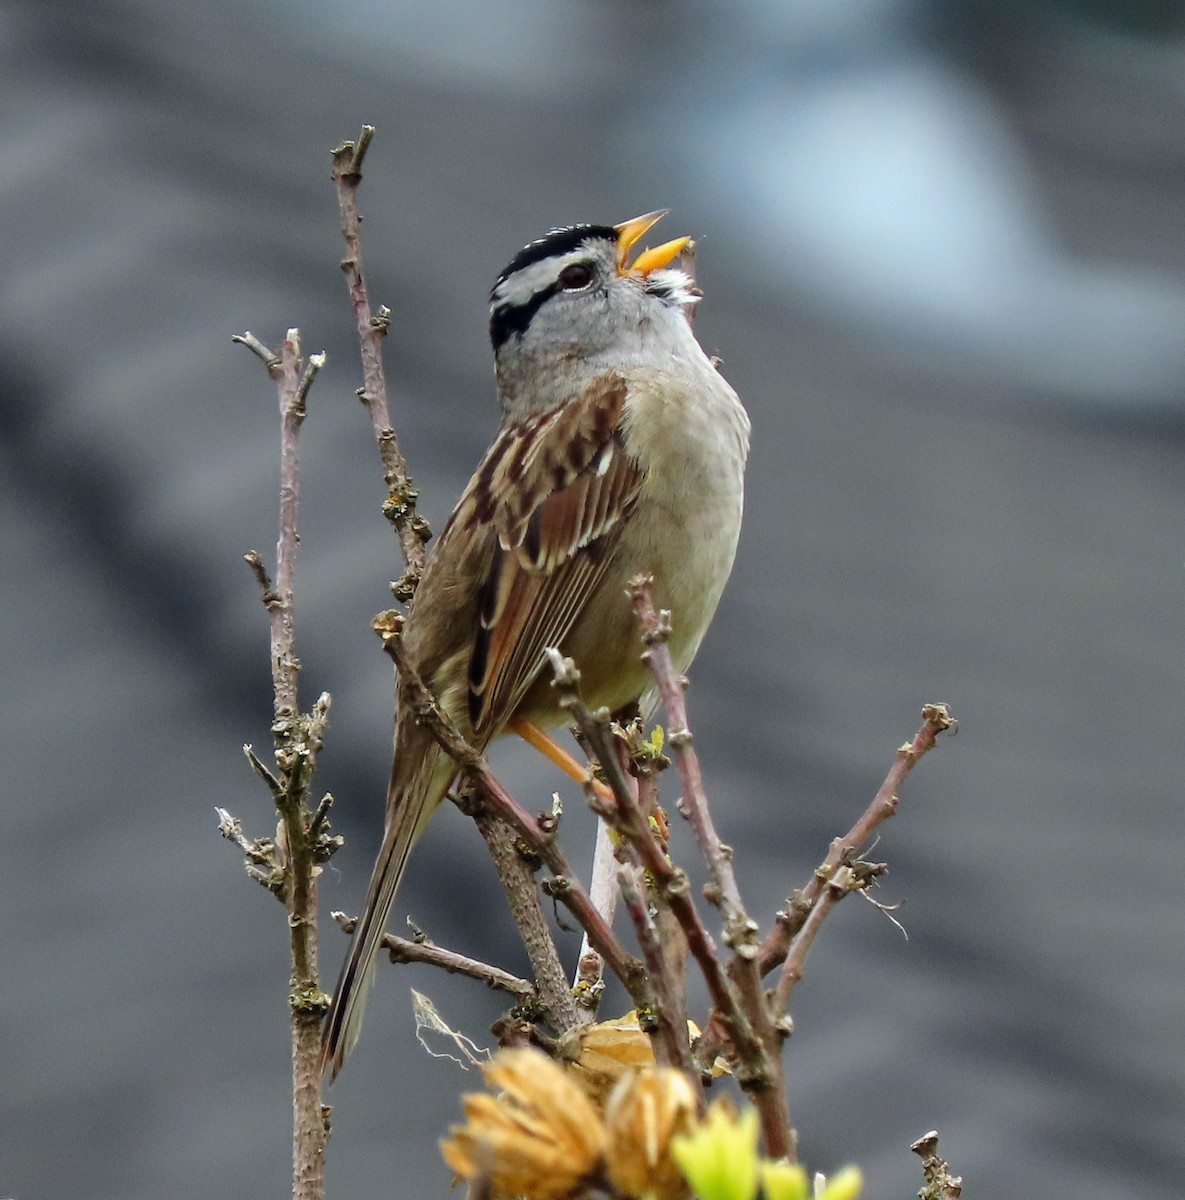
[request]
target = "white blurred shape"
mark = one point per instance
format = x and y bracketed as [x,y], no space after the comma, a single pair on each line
[858,168]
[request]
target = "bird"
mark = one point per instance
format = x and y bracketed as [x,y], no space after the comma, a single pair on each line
[621,452]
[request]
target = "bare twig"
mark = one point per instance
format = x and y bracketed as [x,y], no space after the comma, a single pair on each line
[940,1183]
[759,1063]
[522,897]
[231,828]
[835,890]
[303,839]
[297,742]
[656,628]
[314,364]
[400,507]
[669,1020]
[420,950]
[936,719]
[856,876]
[627,818]
[268,593]
[413,532]
[270,358]
[320,820]
[285,665]
[740,930]
[261,857]
[646,759]
[565,886]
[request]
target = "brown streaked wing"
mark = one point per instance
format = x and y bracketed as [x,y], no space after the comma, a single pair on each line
[558,490]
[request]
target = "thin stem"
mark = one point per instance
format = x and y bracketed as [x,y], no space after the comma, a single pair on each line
[565,886]
[656,629]
[400,507]
[270,358]
[940,1183]
[936,719]
[740,930]
[792,968]
[296,755]
[415,950]
[669,1037]
[754,1038]
[413,533]
[672,985]
[285,665]
[522,897]
[298,736]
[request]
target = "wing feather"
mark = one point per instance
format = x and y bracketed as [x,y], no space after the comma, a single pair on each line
[557,490]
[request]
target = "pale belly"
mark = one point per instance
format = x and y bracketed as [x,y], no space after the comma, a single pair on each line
[684,534]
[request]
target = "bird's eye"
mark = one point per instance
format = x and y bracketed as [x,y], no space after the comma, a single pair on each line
[575,276]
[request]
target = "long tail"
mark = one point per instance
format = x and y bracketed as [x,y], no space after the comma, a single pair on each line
[410,804]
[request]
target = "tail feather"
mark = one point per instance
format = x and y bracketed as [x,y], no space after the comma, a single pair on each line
[409,808]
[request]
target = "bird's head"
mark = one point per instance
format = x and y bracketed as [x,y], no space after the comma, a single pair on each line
[574,301]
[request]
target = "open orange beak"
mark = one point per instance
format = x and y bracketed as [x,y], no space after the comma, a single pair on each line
[629,232]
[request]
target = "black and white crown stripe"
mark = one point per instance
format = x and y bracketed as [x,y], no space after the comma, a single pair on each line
[524,285]
[558,241]
[532,278]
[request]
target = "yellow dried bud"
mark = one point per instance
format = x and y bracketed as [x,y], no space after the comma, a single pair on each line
[539,1138]
[784,1181]
[644,1112]
[603,1053]
[719,1157]
[843,1185]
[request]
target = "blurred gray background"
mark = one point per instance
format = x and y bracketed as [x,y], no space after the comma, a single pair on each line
[944,259]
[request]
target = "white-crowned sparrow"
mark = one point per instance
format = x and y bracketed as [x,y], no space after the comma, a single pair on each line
[621,452]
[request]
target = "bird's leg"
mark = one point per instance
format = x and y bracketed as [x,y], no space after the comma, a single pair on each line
[546,745]
[588,985]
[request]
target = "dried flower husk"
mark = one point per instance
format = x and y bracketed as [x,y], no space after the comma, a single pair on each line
[604,1053]
[646,1110]
[539,1138]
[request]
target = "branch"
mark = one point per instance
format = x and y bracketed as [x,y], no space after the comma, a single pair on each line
[646,760]
[522,898]
[565,886]
[940,1183]
[400,507]
[838,887]
[260,856]
[303,840]
[421,950]
[669,1035]
[759,1064]
[739,929]
[285,665]
[936,719]
[269,358]
[626,817]
[808,903]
